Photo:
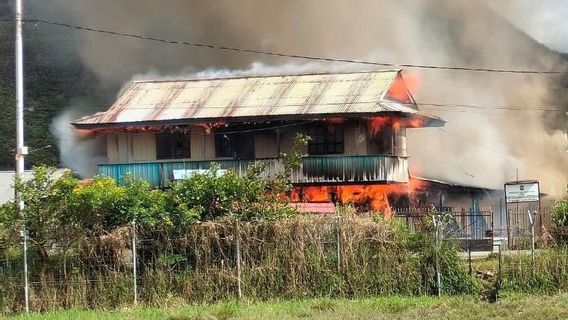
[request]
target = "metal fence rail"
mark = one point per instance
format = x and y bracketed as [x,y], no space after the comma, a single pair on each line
[458,224]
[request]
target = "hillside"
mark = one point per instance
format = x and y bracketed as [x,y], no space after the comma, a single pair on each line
[51,84]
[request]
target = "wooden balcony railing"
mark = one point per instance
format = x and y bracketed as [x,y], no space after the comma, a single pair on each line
[336,169]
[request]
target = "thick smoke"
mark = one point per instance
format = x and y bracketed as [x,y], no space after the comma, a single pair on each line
[77,152]
[544,19]
[478,146]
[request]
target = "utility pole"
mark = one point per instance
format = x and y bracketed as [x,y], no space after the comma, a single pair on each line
[21,150]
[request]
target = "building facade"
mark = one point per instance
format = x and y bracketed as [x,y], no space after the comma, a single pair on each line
[164,131]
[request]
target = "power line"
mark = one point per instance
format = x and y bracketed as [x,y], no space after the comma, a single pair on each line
[247,130]
[495,107]
[284,55]
[265,129]
[462,139]
[431,105]
[468,111]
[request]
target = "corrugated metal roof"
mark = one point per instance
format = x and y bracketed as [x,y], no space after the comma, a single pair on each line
[249,98]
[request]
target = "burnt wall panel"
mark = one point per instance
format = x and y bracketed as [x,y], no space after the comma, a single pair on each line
[266,146]
[143,146]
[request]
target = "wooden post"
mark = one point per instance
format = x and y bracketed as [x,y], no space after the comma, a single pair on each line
[338,241]
[134,263]
[238,253]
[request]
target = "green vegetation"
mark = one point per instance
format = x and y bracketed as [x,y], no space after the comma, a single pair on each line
[391,307]
[80,245]
[55,79]
[560,213]
[550,275]
[80,240]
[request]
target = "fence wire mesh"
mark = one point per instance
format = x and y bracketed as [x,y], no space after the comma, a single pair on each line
[305,256]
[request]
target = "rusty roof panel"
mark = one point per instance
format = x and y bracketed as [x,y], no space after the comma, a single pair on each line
[252,97]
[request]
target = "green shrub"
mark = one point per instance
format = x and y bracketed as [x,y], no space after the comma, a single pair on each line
[212,196]
[560,213]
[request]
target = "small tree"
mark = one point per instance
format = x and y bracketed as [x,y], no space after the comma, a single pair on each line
[105,205]
[213,195]
[47,214]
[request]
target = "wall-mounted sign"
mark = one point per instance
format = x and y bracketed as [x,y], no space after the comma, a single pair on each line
[522,191]
[183,174]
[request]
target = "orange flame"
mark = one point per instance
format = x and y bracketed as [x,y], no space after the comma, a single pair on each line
[376,124]
[402,86]
[335,120]
[208,127]
[84,133]
[370,197]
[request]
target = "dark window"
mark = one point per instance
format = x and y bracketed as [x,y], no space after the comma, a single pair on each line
[325,140]
[223,146]
[234,145]
[382,141]
[173,146]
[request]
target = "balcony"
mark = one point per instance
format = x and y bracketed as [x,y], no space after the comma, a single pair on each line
[340,169]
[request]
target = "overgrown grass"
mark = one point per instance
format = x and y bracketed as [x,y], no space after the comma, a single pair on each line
[286,259]
[391,307]
[550,270]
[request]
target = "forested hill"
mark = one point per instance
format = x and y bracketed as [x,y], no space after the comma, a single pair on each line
[52,83]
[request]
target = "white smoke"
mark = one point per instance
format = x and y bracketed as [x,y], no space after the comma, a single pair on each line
[544,20]
[81,153]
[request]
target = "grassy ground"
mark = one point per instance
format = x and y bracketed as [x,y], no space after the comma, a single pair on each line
[509,307]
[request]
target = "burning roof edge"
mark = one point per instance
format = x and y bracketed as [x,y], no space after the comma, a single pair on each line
[429,121]
[457,184]
[384,105]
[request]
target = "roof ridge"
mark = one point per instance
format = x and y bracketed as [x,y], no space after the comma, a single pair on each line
[267,76]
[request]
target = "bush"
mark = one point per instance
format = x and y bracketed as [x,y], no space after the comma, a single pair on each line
[560,213]
[104,204]
[212,196]
[283,259]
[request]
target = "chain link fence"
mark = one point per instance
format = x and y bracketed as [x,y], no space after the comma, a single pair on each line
[302,257]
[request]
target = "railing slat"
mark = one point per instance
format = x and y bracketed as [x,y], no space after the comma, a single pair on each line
[355,169]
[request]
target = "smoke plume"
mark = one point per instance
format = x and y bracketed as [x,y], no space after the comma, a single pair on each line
[82,154]
[482,147]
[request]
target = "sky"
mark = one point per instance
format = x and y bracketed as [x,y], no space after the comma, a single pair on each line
[544,20]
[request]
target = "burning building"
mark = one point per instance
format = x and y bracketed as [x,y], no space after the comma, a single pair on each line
[163,131]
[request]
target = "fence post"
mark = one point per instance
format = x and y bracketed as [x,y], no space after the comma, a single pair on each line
[532,222]
[338,241]
[500,271]
[438,275]
[134,263]
[469,256]
[508,218]
[26,276]
[238,253]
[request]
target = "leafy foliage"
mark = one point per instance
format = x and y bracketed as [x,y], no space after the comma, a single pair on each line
[560,213]
[54,80]
[213,195]
[47,214]
[105,205]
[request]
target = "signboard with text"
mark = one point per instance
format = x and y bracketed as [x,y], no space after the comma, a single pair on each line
[183,174]
[522,191]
